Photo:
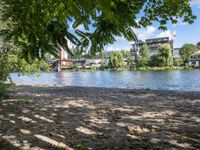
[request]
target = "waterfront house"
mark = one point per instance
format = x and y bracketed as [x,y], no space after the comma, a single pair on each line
[176,54]
[195,59]
[153,45]
[198,46]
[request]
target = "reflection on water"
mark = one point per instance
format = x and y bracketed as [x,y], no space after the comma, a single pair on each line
[188,80]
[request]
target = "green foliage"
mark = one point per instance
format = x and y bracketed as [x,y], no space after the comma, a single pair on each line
[101,55]
[77,54]
[178,62]
[157,60]
[144,51]
[88,56]
[37,26]
[160,68]
[116,60]
[11,61]
[125,53]
[186,51]
[75,66]
[2,90]
[129,60]
[142,62]
[165,52]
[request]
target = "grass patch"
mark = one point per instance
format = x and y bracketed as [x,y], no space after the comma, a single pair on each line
[163,68]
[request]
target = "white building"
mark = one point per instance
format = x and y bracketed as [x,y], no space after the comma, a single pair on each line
[176,54]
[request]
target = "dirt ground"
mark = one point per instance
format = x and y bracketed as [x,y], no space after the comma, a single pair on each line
[39,117]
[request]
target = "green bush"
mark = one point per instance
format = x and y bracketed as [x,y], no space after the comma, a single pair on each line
[157,61]
[142,62]
[2,91]
[116,60]
[178,62]
[165,53]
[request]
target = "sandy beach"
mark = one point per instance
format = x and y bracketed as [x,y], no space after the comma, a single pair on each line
[39,117]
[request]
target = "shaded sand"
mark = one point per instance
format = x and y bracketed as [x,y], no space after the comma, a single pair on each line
[35,118]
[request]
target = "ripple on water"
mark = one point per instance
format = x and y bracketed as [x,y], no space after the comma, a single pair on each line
[165,80]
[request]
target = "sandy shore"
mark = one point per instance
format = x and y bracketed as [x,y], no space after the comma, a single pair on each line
[98,118]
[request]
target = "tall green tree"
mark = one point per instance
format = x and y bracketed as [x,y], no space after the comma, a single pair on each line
[129,59]
[38,26]
[165,51]
[157,61]
[116,60]
[144,51]
[186,51]
[11,59]
[144,56]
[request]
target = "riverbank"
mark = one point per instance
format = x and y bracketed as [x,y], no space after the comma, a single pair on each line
[40,117]
[129,69]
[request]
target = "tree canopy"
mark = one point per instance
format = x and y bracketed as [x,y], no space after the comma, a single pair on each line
[186,51]
[38,26]
[144,51]
[165,51]
[164,58]
[116,60]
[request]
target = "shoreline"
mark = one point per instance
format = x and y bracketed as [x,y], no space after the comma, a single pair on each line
[68,117]
[109,88]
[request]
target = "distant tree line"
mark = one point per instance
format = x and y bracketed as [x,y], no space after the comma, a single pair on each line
[163,58]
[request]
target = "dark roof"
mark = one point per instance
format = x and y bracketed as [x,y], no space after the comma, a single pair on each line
[162,39]
[198,44]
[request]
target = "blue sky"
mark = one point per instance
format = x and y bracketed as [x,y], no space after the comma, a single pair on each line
[185,33]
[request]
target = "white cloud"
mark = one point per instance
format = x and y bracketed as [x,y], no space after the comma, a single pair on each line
[145,33]
[122,43]
[167,33]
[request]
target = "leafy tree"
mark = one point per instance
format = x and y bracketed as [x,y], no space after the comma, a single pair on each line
[2,91]
[116,60]
[178,62]
[142,62]
[144,56]
[144,51]
[157,61]
[101,55]
[10,61]
[38,26]
[125,53]
[186,51]
[129,60]
[165,51]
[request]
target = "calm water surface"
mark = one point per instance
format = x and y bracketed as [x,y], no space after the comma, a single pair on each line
[186,80]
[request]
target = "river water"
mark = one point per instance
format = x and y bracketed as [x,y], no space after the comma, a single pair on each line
[185,80]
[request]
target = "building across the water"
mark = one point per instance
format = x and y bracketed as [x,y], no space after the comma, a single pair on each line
[198,46]
[176,54]
[153,45]
[195,59]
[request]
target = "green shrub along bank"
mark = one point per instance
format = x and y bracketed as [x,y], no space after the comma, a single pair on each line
[2,91]
[163,68]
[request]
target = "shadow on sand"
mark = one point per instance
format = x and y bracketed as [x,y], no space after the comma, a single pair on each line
[97,118]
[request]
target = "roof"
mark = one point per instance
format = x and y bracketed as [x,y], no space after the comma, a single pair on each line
[157,39]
